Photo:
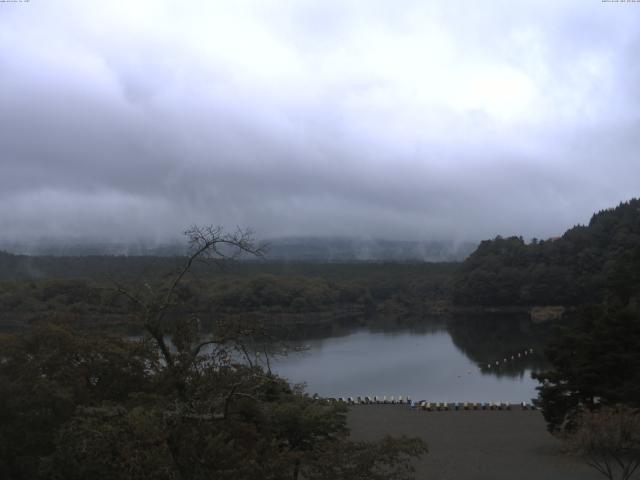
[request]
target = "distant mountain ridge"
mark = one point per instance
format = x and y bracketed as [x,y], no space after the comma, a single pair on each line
[355,249]
[316,249]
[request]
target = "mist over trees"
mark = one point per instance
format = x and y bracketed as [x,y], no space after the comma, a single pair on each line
[296,249]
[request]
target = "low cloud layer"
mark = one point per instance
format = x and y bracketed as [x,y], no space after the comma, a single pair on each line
[406,120]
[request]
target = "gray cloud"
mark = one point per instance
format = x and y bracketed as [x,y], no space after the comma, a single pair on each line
[416,120]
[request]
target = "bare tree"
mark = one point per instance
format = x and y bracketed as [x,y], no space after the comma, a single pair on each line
[609,441]
[154,301]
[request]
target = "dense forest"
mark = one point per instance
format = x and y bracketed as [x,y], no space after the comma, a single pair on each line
[85,288]
[594,355]
[573,269]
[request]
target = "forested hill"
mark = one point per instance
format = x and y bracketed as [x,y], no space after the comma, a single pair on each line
[583,266]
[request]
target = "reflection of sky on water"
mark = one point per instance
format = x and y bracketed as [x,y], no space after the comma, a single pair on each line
[424,365]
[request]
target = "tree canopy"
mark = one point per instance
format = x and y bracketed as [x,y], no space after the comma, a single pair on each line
[573,269]
[595,363]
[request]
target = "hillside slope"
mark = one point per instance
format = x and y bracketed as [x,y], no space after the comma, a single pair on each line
[582,266]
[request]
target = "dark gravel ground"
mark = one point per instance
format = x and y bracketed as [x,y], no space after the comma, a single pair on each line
[474,445]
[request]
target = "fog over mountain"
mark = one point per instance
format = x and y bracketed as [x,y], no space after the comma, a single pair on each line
[406,120]
[314,249]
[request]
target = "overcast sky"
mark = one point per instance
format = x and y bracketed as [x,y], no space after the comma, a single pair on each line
[403,119]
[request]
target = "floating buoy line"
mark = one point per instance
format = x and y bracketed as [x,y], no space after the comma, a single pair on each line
[424,405]
[509,358]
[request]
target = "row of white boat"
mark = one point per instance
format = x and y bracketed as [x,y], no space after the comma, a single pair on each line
[399,400]
[444,406]
[431,406]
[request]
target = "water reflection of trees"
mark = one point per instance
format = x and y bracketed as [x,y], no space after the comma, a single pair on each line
[346,326]
[482,339]
[487,339]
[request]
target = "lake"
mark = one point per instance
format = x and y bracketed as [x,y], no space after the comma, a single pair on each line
[441,363]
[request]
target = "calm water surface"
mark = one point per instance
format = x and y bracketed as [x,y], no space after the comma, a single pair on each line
[422,364]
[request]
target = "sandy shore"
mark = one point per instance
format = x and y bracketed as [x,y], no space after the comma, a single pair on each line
[474,445]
